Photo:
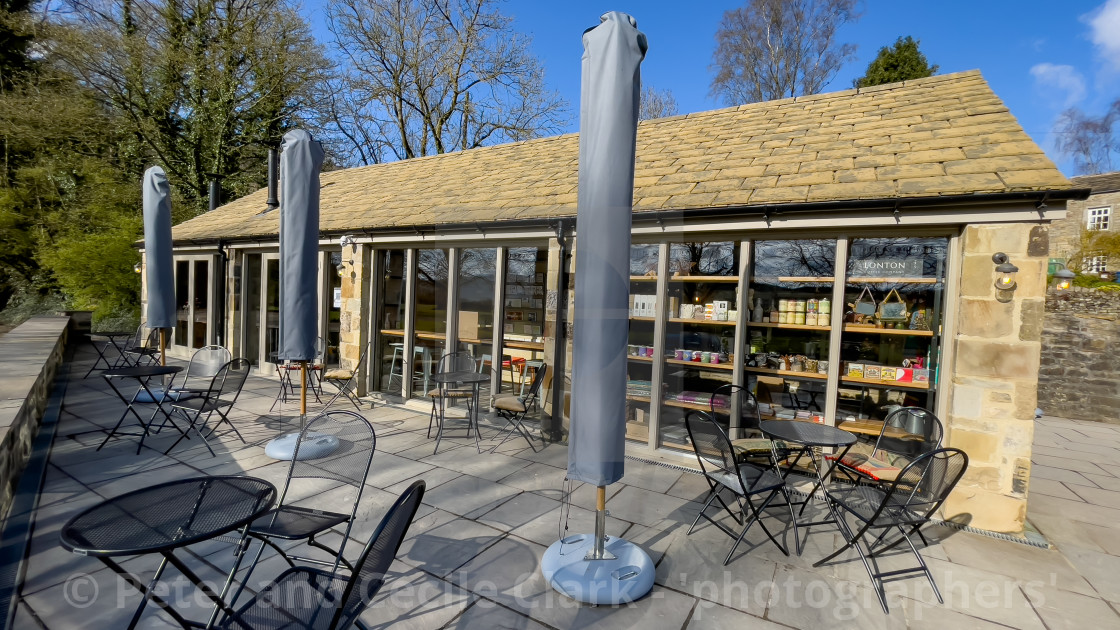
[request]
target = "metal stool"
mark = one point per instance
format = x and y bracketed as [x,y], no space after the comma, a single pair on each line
[396,365]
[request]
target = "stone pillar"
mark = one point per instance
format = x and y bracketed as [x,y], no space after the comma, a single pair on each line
[354,314]
[995,376]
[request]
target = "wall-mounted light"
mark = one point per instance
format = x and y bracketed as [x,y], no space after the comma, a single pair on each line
[138,267]
[1005,272]
[1063,280]
[346,241]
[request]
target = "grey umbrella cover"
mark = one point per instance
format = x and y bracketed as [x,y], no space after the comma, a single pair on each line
[300,161]
[160,275]
[613,52]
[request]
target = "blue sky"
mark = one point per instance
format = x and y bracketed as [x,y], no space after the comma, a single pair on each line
[1040,57]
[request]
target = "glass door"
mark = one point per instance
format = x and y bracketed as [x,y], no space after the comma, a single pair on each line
[642,343]
[389,309]
[253,282]
[432,272]
[789,324]
[702,303]
[192,301]
[891,340]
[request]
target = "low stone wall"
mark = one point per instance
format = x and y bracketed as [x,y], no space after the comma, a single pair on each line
[1080,372]
[30,356]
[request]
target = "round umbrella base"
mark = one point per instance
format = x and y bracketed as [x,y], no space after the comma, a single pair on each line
[314,446]
[625,578]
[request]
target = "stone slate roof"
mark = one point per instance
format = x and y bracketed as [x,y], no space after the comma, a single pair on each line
[942,135]
[1102,183]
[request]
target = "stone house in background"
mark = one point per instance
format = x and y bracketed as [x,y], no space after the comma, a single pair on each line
[898,194]
[1098,212]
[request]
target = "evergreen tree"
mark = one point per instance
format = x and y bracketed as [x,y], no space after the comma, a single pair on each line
[900,62]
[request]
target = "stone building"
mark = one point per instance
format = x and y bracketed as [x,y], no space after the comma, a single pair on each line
[1098,212]
[833,252]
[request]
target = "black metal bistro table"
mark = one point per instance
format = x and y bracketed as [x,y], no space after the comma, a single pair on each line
[444,381]
[166,517]
[141,375]
[110,342]
[807,438]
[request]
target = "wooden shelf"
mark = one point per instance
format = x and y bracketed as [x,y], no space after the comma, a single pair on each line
[642,399]
[685,405]
[643,278]
[789,326]
[646,359]
[793,279]
[635,318]
[885,384]
[734,279]
[887,331]
[893,280]
[707,322]
[814,375]
[702,366]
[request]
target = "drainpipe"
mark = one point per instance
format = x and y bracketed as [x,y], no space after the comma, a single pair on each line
[273,178]
[223,257]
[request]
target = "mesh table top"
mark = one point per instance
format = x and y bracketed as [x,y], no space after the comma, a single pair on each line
[807,433]
[143,371]
[167,516]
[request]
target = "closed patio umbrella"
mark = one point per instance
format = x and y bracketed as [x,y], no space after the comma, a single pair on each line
[611,570]
[300,160]
[160,276]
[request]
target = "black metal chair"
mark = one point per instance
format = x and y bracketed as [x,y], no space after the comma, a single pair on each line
[460,361]
[203,366]
[753,445]
[515,409]
[345,381]
[723,470]
[219,399]
[890,453]
[905,505]
[308,598]
[141,349]
[347,463]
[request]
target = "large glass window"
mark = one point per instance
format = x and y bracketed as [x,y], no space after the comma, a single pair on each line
[251,324]
[477,274]
[333,300]
[431,314]
[272,310]
[201,304]
[641,348]
[894,301]
[390,313]
[523,330]
[789,313]
[702,304]
[182,301]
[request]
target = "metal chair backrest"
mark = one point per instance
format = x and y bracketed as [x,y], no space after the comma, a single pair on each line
[924,484]
[373,564]
[749,418]
[151,342]
[914,420]
[535,386]
[460,361]
[229,380]
[712,446]
[349,463]
[205,363]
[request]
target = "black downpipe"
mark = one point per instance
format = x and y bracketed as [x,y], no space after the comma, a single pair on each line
[273,178]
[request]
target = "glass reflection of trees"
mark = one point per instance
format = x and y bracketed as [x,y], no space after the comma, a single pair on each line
[800,258]
[704,259]
[643,259]
[431,290]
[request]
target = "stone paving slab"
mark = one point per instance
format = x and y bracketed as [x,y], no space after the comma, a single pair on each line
[471,559]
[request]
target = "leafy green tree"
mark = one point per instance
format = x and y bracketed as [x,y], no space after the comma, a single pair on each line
[203,88]
[899,62]
[15,37]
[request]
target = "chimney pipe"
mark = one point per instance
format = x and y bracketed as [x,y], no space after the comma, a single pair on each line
[273,178]
[215,193]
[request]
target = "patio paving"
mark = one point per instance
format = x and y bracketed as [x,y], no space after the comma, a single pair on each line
[472,556]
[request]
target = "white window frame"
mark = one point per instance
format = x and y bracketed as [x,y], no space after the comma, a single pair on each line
[1095,264]
[1099,218]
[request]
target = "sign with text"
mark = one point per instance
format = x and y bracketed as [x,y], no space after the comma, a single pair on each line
[887,267]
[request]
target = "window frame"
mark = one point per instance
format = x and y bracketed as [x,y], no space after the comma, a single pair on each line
[1098,218]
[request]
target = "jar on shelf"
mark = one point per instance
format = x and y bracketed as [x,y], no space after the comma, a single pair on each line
[800,306]
[783,306]
[799,318]
[783,317]
[824,306]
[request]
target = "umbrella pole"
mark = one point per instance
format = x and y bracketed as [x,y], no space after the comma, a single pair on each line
[598,552]
[302,393]
[162,346]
